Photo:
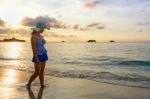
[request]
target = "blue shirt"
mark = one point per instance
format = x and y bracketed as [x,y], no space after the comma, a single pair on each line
[40,46]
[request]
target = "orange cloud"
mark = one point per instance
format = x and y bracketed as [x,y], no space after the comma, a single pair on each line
[92,3]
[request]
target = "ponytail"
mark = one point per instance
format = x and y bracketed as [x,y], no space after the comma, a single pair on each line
[33,32]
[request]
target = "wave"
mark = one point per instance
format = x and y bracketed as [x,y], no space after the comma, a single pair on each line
[124,79]
[94,61]
[1,58]
[134,63]
[107,77]
[107,61]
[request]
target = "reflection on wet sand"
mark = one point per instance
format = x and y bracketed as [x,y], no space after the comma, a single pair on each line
[64,88]
[11,75]
[32,96]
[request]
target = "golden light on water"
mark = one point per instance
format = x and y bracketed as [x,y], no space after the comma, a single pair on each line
[14,49]
[10,76]
[13,52]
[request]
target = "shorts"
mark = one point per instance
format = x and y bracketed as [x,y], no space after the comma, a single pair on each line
[42,58]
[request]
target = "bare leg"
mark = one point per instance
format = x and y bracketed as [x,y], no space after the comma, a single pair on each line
[41,73]
[36,73]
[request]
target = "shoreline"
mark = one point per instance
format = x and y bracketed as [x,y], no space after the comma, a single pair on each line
[99,81]
[12,86]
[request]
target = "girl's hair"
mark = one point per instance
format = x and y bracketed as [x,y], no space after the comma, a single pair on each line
[33,32]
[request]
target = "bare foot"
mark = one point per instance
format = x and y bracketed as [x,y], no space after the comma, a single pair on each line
[42,86]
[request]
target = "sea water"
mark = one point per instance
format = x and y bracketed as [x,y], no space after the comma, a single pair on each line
[125,64]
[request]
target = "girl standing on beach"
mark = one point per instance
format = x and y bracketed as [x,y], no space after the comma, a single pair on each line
[39,53]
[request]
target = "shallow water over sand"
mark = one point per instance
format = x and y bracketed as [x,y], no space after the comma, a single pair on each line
[117,63]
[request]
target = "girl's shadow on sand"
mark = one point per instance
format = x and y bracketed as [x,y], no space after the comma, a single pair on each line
[32,96]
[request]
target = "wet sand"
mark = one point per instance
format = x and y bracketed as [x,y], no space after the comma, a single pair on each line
[12,86]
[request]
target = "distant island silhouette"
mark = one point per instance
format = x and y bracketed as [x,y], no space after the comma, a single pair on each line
[12,40]
[63,41]
[91,41]
[112,41]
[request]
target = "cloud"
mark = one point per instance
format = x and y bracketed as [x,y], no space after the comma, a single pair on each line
[83,29]
[3,27]
[140,30]
[100,27]
[93,24]
[52,34]
[76,26]
[96,25]
[52,22]
[4,30]
[27,21]
[92,3]
[2,23]
[8,31]
[143,23]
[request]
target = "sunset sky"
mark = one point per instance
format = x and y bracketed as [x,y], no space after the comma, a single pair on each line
[77,20]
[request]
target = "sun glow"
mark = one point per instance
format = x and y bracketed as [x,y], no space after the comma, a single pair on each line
[14,24]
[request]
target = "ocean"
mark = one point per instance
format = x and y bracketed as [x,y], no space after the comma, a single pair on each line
[126,64]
